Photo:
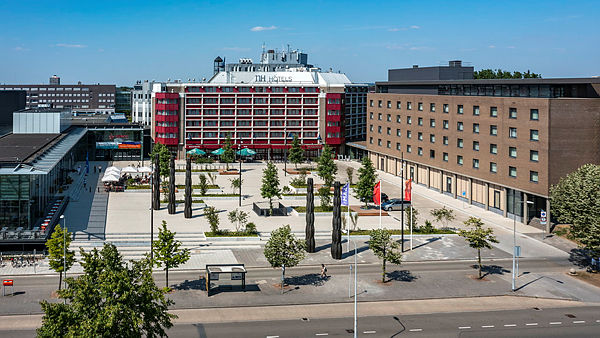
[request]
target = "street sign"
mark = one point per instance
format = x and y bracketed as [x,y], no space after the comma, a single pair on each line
[518,251]
[543,219]
[464,193]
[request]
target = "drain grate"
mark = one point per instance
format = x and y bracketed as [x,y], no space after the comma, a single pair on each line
[570,315]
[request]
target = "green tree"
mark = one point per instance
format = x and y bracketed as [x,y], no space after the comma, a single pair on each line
[366,181]
[212,177]
[325,197]
[164,156]
[443,216]
[284,249]
[203,184]
[239,218]
[575,200]
[385,248]
[56,252]
[228,155]
[111,299]
[236,183]
[213,219]
[270,185]
[478,237]
[326,168]
[350,174]
[296,152]
[167,251]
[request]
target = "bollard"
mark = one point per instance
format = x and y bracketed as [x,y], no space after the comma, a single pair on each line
[5,283]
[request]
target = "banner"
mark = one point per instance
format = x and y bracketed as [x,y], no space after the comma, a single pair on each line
[377,193]
[346,194]
[408,190]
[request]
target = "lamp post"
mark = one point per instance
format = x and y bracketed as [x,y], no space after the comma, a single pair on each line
[402,201]
[285,149]
[515,263]
[320,142]
[152,178]
[240,155]
[355,290]
[64,220]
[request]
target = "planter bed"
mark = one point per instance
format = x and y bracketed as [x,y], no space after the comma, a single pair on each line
[228,172]
[197,170]
[318,209]
[232,235]
[398,232]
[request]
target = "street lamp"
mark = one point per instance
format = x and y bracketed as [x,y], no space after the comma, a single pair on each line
[64,220]
[320,142]
[515,263]
[286,135]
[240,155]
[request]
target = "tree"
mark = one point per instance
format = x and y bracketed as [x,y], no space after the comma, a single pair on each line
[212,177]
[239,218]
[366,181]
[111,299]
[284,249]
[56,252]
[236,183]
[575,200]
[408,215]
[228,155]
[270,185]
[164,156]
[296,152]
[326,168]
[213,219]
[443,216]
[167,251]
[500,74]
[350,173]
[324,193]
[203,184]
[478,237]
[384,247]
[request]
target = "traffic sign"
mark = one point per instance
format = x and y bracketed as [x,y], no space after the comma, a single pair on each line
[543,219]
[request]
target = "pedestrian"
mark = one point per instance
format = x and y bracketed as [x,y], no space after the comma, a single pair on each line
[98,189]
[99,169]
[84,182]
[94,169]
[323,271]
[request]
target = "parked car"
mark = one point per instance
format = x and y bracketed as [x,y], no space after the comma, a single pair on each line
[394,204]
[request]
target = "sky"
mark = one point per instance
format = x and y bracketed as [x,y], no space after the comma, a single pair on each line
[120,42]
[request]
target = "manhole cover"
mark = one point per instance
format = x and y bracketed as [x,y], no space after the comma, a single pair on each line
[570,315]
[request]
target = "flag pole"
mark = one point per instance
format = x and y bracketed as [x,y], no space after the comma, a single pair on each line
[380,204]
[348,219]
[411,224]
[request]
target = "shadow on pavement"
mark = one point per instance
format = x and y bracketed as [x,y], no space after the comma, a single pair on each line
[401,276]
[429,241]
[351,253]
[579,257]
[196,284]
[313,279]
[491,270]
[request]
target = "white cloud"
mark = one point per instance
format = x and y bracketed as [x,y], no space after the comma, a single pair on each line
[491,46]
[511,47]
[70,45]
[398,29]
[101,50]
[263,28]
[415,27]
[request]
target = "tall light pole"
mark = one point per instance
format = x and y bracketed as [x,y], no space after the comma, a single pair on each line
[240,155]
[402,200]
[285,136]
[355,292]
[152,178]
[515,264]
[64,220]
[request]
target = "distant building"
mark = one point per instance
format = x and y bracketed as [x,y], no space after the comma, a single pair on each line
[10,102]
[453,71]
[141,100]
[54,80]
[123,100]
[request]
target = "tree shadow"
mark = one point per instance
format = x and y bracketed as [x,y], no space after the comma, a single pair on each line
[491,270]
[215,290]
[401,276]
[427,242]
[313,279]
[579,257]
[195,284]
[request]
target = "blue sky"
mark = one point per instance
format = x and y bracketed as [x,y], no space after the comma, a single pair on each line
[124,41]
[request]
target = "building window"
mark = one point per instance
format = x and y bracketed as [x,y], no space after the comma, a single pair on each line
[445,124]
[398,133]
[512,113]
[459,109]
[398,104]
[379,129]
[379,116]
[431,153]
[389,117]
[476,145]
[493,148]
[459,143]
[420,136]
[445,157]
[371,103]
[533,155]
[408,134]
[476,128]
[379,142]
[493,167]
[512,171]
[476,110]
[371,114]
[446,108]
[420,105]
[533,135]
[533,176]
[389,104]
[494,130]
[371,127]
[389,131]
[371,140]
[459,126]
[494,111]
[420,151]
[512,132]
[445,140]
[534,115]
[379,104]
[432,107]
[512,152]
[408,148]
[409,120]
[389,144]
[432,138]
[398,119]
[398,146]
[408,105]
[432,123]
[475,163]
[420,121]
[459,160]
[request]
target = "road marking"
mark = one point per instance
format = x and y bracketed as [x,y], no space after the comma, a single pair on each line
[486,326]
[415,330]
[369,332]
[597,320]
[463,327]
[510,325]
[272,336]
[578,321]
[531,324]
[321,334]
[555,323]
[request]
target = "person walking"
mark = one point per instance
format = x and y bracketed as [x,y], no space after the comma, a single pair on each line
[323,271]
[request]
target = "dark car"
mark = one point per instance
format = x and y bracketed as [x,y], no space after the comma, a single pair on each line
[384,198]
[394,204]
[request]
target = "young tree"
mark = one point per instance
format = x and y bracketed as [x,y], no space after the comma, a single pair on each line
[213,219]
[324,193]
[111,299]
[350,174]
[284,249]
[239,218]
[203,184]
[167,252]
[296,154]
[384,247]
[574,200]
[56,252]
[270,185]
[236,183]
[228,155]
[407,215]
[478,237]
[164,156]
[326,168]
[443,216]
[366,181]
[212,177]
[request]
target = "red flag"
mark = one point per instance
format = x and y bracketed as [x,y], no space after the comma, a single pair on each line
[407,190]
[377,193]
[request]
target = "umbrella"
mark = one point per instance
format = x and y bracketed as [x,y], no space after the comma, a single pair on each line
[144,170]
[219,151]
[110,178]
[246,152]
[196,151]
[129,170]
[113,168]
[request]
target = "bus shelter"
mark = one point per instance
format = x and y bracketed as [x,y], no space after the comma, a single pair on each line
[225,272]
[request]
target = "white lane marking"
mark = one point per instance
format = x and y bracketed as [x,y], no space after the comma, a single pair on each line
[463,327]
[598,321]
[578,321]
[321,334]
[531,324]
[487,326]
[415,330]
[555,323]
[272,336]
[369,332]
[510,325]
